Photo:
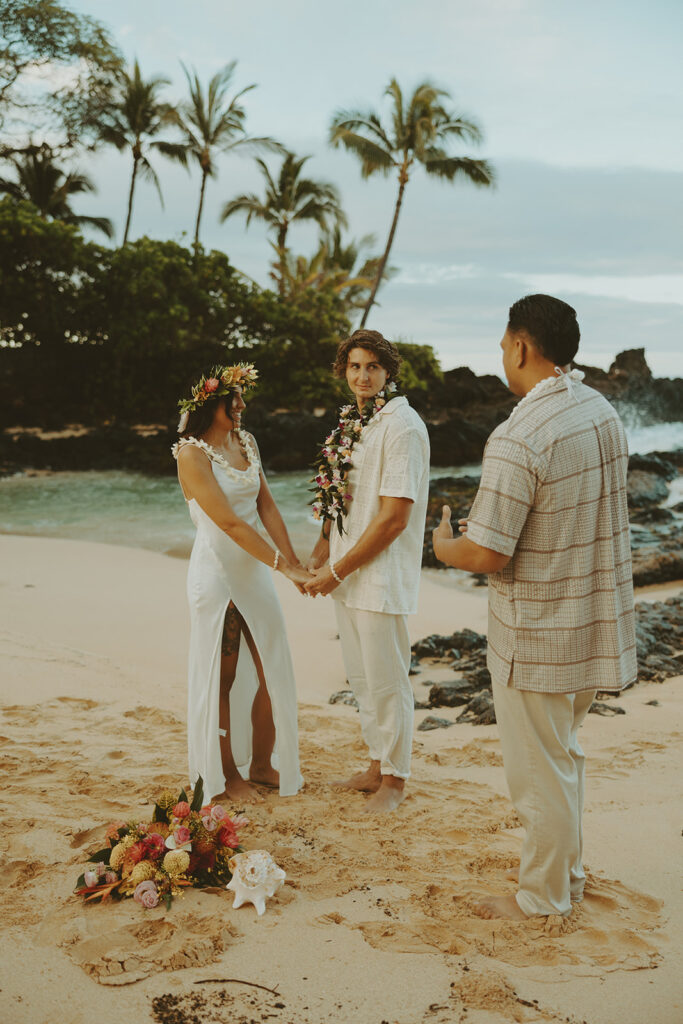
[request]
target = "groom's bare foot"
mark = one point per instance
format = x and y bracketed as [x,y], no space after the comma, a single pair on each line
[368,781]
[264,775]
[500,906]
[387,798]
[239,791]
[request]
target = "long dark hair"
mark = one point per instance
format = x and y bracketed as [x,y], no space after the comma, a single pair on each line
[201,418]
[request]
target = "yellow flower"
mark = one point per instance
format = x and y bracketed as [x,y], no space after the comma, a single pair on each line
[116,856]
[176,862]
[167,799]
[141,872]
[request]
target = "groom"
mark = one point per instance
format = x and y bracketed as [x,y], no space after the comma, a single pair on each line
[372,568]
[550,526]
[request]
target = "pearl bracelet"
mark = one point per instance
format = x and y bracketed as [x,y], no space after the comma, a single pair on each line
[334,573]
[276,559]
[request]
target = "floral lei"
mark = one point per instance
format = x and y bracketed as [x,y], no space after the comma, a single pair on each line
[332,498]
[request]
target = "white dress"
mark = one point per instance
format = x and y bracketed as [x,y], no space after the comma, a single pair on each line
[220,572]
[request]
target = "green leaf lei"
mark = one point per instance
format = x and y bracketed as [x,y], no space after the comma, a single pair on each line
[332,497]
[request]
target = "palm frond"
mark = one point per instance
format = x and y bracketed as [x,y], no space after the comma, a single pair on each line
[437,163]
[372,156]
[173,150]
[148,172]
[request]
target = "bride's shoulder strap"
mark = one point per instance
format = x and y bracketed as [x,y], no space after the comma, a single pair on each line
[183,442]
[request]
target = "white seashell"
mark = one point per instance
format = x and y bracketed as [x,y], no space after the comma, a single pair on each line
[255,878]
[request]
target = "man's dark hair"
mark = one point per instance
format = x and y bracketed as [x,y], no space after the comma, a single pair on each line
[371,341]
[550,323]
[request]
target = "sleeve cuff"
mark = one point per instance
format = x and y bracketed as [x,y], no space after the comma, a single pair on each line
[485,537]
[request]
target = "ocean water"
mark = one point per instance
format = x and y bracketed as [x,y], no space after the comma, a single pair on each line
[149,512]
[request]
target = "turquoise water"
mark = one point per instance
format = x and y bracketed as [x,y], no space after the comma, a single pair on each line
[149,512]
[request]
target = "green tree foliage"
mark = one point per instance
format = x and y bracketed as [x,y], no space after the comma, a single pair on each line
[132,121]
[57,70]
[42,271]
[119,334]
[290,199]
[212,124]
[420,131]
[47,186]
[343,268]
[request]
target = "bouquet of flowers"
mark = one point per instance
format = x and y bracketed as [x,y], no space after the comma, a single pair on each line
[185,844]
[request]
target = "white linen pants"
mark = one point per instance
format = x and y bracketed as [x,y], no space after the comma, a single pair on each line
[544,768]
[376,653]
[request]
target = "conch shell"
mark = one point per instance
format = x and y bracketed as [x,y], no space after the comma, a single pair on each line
[255,878]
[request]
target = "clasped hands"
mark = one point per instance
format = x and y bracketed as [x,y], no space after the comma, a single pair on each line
[312,580]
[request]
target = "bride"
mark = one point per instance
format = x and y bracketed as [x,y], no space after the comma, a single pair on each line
[241,693]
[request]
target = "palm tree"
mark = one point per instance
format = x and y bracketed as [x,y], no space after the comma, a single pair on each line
[291,199]
[135,118]
[343,267]
[210,124]
[48,187]
[419,132]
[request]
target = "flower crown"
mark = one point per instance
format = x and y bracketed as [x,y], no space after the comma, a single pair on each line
[221,381]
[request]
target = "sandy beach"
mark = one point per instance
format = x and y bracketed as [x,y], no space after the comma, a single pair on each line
[374,923]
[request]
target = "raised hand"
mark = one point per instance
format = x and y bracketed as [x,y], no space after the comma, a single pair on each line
[444,530]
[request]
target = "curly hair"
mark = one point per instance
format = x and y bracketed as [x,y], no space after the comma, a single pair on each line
[550,323]
[371,341]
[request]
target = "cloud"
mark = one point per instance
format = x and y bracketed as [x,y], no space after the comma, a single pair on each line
[657,288]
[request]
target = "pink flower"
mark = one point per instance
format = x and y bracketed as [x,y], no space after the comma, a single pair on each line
[240,821]
[110,877]
[181,810]
[137,852]
[91,878]
[101,868]
[181,835]
[113,832]
[228,837]
[208,823]
[218,813]
[211,385]
[155,845]
[146,894]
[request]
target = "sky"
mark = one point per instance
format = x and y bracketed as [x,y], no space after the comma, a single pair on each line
[581,104]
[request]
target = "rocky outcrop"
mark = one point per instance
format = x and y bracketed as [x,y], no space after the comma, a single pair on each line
[656,530]
[659,642]
[460,411]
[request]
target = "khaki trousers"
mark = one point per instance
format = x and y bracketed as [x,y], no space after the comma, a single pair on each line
[544,768]
[376,653]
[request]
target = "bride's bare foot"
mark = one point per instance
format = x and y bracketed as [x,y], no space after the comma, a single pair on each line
[500,906]
[368,781]
[387,798]
[239,791]
[264,775]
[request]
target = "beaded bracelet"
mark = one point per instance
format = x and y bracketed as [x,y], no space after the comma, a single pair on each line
[276,559]
[334,573]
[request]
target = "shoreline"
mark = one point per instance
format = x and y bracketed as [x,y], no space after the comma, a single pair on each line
[93,649]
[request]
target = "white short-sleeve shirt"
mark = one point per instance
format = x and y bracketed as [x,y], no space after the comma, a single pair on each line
[390,460]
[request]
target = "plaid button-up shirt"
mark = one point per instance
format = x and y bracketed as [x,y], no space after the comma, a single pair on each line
[553,496]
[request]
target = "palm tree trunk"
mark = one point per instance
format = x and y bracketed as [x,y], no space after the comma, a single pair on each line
[402,178]
[281,249]
[201,206]
[130,198]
